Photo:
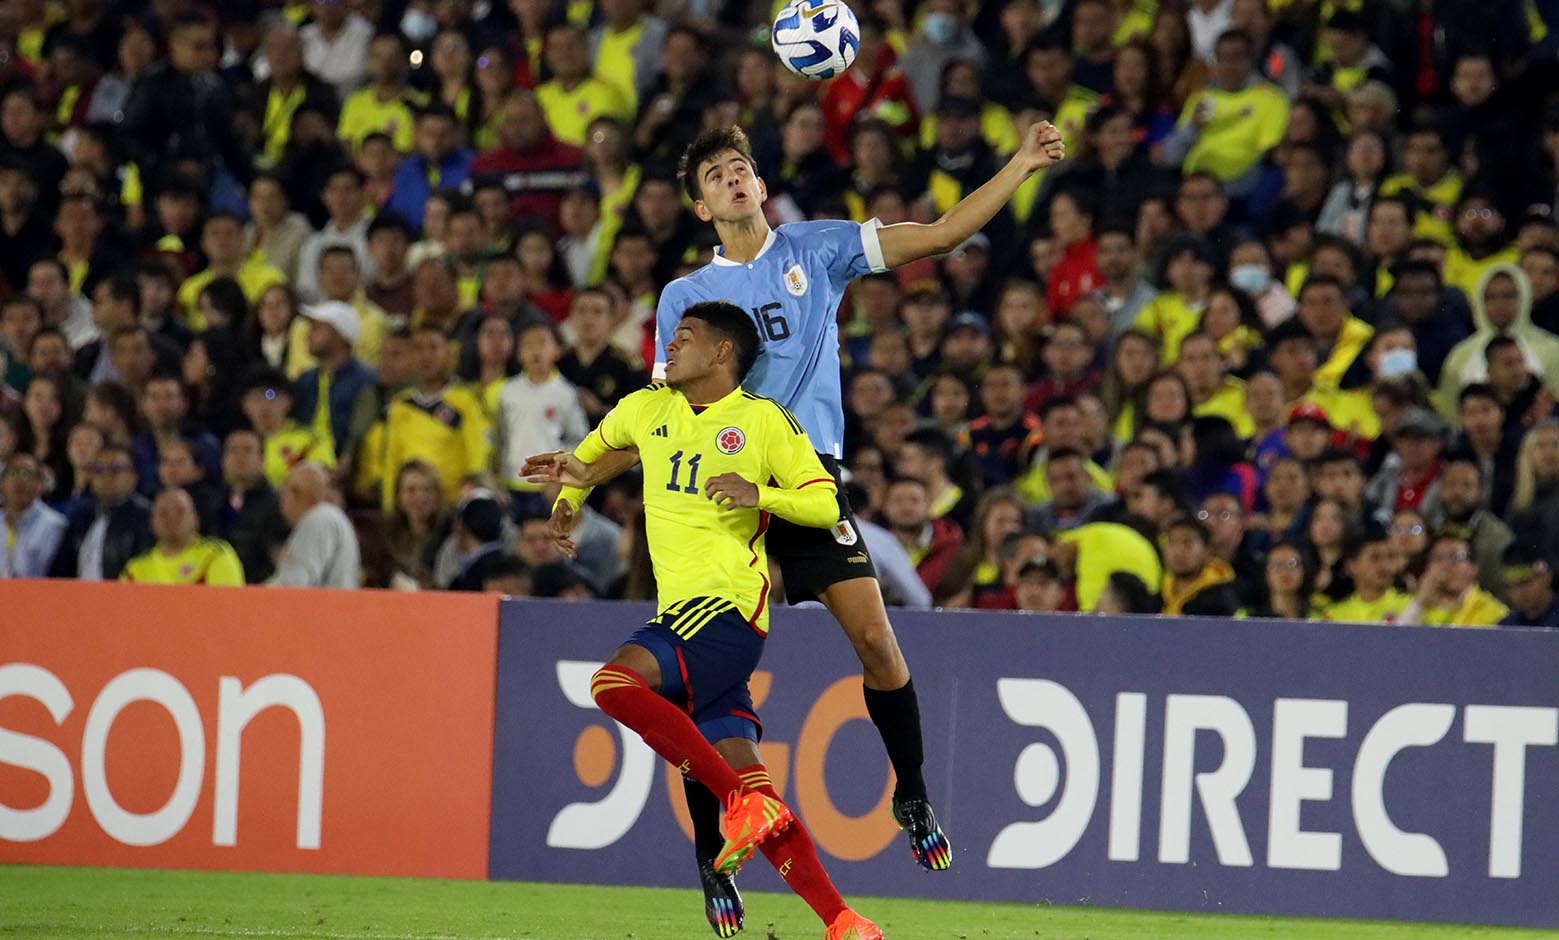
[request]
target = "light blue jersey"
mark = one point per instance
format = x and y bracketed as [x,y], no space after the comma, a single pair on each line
[792,289]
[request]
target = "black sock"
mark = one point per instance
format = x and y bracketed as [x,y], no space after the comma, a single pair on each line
[897,717]
[704,807]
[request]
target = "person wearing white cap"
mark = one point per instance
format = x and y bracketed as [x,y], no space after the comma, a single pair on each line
[339,397]
[340,279]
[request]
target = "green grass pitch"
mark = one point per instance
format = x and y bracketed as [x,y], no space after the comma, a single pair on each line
[80,903]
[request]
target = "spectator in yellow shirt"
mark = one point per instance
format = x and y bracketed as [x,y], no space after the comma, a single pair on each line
[1480,241]
[1338,335]
[181,555]
[222,240]
[1448,593]
[436,421]
[386,104]
[340,280]
[574,97]
[1228,127]
[267,400]
[1173,314]
[626,46]
[1430,178]
[1373,565]
[1212,392]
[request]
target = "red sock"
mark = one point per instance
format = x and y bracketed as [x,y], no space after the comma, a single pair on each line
[794,856]
[624,695]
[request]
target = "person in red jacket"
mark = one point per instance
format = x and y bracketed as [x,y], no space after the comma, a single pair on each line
[1077,273]
[874,88]
[532,166]
[930,543]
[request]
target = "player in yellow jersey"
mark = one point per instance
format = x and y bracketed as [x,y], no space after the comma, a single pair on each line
[681,680]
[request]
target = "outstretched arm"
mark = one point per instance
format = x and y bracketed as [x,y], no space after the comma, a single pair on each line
[556,467]
[911,241]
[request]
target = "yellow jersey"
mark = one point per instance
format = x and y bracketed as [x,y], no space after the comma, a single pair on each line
[568,113]
[1464,271]
[1347,410]
[1228,403]
[1355,609]
[1438,199]
[1169,317]
[1034,489]
[615,61]
[364,114]
[1478,609]
[451,431]
[697,548]
[205,561]
[1104,548]
[292,445]
[1243,126]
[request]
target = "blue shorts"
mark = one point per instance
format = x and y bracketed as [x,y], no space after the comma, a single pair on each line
[707,652]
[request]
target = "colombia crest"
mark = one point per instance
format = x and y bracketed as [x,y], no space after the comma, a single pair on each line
[730,440]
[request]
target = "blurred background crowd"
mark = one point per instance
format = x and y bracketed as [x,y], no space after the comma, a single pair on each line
[290,289]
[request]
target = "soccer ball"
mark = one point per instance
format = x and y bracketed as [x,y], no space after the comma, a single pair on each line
[816,38]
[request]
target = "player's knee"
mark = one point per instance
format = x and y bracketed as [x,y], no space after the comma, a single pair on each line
[612,677]
[876,645]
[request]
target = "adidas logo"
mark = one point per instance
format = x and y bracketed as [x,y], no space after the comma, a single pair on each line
[660,432]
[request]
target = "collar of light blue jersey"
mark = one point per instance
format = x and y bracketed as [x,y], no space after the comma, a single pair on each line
[721,259]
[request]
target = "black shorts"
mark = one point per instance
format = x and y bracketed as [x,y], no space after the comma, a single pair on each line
[811,560]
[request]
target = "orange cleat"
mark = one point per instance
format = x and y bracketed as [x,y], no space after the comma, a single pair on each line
[751,818]
[852,926]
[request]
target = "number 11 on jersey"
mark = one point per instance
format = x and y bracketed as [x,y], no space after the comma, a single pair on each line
[692,470]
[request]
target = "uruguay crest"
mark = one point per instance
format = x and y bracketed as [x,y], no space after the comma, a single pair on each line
[796,281]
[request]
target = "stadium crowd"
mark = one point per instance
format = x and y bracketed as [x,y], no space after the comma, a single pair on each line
[292,288]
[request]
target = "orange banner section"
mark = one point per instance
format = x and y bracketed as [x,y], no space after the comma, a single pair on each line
[246,728]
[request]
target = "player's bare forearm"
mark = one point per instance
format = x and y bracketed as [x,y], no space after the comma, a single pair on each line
[911,241]
[613,464]
[560,466]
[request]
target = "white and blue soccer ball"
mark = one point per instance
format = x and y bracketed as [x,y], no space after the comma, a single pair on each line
[816,39]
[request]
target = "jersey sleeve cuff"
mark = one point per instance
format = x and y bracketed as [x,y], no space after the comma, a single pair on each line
[871,244]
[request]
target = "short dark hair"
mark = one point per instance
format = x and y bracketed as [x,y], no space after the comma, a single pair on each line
[388,220]
[1366,535]
[1409,268]
[1479,390]
[933,442]
[1134,594]
[1321,280]
[338,249]
[1053,404]
[1497,344]
[1168,485]
[1065,453]
[706,146]
[1338,455]
[730,322]
[1193,524]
